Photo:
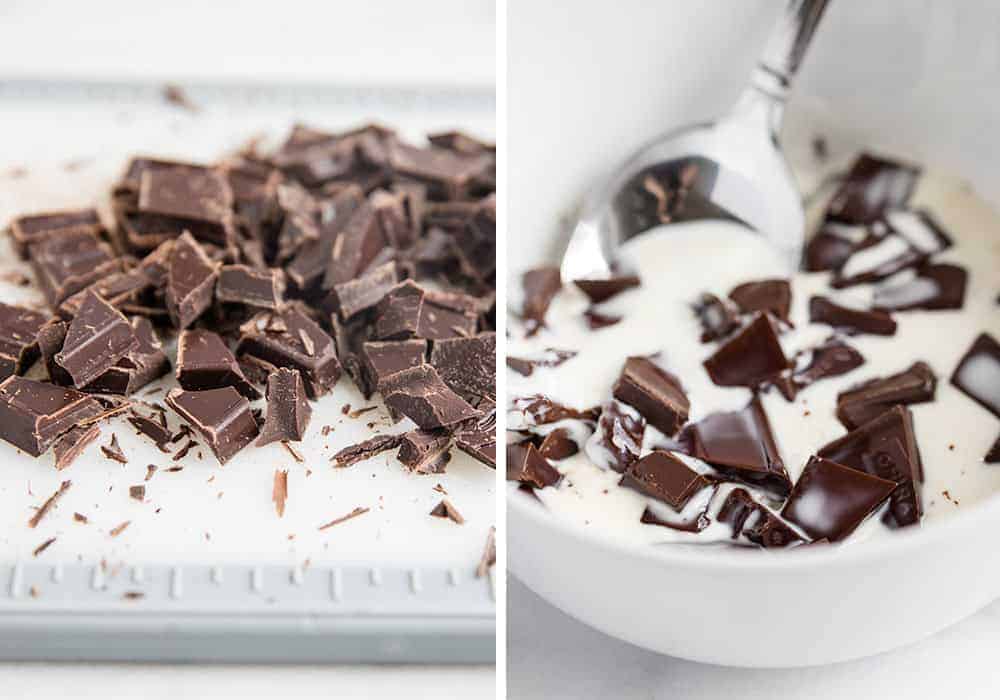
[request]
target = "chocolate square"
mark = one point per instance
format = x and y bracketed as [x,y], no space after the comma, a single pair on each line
[654,392]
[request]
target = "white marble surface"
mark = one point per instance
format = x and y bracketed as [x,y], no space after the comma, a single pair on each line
[551,656]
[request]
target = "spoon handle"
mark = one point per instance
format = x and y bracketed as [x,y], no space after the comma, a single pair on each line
[787,46]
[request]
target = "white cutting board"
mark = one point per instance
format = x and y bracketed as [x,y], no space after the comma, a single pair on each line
[74,142]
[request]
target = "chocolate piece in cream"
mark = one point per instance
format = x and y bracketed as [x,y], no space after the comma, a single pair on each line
[655,393]
[540,286]
[868,400]
[822,310]
[773,296]
[830,500]
[933,287]
[872,186]
[830,359]
[526,465]
[750,357]
[617,441]
[978,373]
[664,477]
[718,317]
[752,520]
[558,445]
[599,290]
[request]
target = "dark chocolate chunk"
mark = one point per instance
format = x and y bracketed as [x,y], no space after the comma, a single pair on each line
[381,359]
[425,451]
[664,477]
[597,320]
[655,393]
[97,338]
[934,287]
[993,456]
[750,357]
[187,193]
[398,314]
[447,173]
[69,262]
[70,444]
[357,245]
[831,359]
[27,230]
[552,358]
[872,186]
[33,414]
[740,444]
[617,442]
[558,445]
[422,396]
[221,416]
[467,365]
[480,440]
[539,410]
[365,450]
[718,317]
[876,259]
[19,329]
[527,466]
[364,292]
[978,373]
[291,347]
[190,281]
[822,310]
[117,289]
[871,399]
[920,229]
[773,296]
[540,286]
[603,289]
[288,410]
[886,447]
[205,362]
[145,364]
[830,500]
[243,284]
[832,245]
[755,522]
[309,264]
[460,142]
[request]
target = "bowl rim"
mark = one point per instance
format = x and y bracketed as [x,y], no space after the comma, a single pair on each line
[751,559]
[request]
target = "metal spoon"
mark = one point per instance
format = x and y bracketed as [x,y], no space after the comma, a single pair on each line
[729,169]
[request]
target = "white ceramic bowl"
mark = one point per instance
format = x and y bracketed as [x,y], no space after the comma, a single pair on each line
[919,78]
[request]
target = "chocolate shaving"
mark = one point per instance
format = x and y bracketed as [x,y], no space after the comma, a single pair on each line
[119,529]
[365,450]
[43,546]
[279,492]
[446,509]
[337,521]
[137,492]
[49,504]
[114,451]
[489,556]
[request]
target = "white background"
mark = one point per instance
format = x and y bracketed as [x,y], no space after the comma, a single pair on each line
[916,76]
[432,43]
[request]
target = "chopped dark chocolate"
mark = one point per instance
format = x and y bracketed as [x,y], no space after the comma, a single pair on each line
[830,500]
[920,229]
[146,363]
[97,337]
[750,357]
[69,262]
[655,393]
[876,259]
[536,410]
[934,287]
[872,186]
[398,314]
[355,248]
[467,365]
[552,358]
[617,442]
[288,410]
[425,451]
[117,289]
[152,429]
[847,320]
[718,317]
[540,286]
[243,284]
[205,362]
[978,373]
[33,414]
[597,320]
[187,193]
[221,416]
[664,477]
[527,466]
[422,396]
[599,290]
[558,445]
[480,440]
[320,368]
[381,359]
[70,444]
[447,173]
[773,296]
[868,400]
[19,328]
[447,315]
[740,444]
[445,509]
[190,281]
[832,358]
[365,450]
[27,230]
[755,522]
[886,447]
[364,292]
[114,451]
[832,245]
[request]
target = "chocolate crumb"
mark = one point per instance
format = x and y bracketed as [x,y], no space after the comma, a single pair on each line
[440,489]
[293,452]
[361,411]
[279,492]
[150,470]
[43,546]
[345,409]
[336,521]
[114,451]
[489,557]
[446,509]
[49,503]
[175,95]
[133,595]
[137,492]
[183,452]
[80,518]
[174,469]
[119,529]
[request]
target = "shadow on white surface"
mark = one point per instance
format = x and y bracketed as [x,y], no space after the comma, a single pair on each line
[551,655]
